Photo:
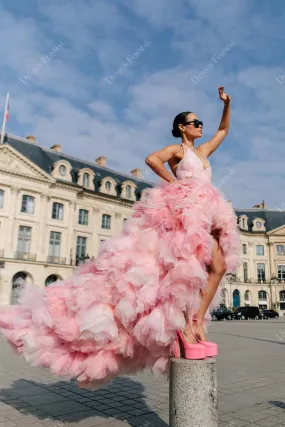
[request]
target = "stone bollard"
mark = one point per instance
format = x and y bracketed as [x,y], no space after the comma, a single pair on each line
[193,393]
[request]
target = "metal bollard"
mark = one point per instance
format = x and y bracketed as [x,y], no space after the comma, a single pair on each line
[193,393]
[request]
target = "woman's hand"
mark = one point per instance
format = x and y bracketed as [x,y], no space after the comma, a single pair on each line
[223,96]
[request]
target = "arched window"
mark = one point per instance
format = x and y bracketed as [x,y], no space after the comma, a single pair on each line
[28,204]
[86,180]
[51,279]
[236,298]
[1,199]
[262,295]
[128,191]
[108,185]
[243,223]
[18,283]
[62,170]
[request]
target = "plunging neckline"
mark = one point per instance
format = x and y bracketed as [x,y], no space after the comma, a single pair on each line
[208,167]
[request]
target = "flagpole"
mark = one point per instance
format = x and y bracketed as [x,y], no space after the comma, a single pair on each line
[4,119]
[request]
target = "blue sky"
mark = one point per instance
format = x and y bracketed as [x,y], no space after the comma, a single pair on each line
[72,100]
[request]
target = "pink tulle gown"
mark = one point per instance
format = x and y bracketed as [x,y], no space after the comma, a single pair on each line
[119,314]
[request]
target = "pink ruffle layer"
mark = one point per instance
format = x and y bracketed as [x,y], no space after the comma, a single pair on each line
[119,314]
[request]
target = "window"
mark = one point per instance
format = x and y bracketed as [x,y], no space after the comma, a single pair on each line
[280,250]
[244,248]
[24,240]
[1,199]
[246,296]
[54,244]
[262,296]
[83,217]
[51,279]
[245,272]
[260,272]
[57,211]
[108,185]
[81,245]
[106,222]
[281,272]
[128,191]
[243,223]
[259,250]
[282,295]
[258,224]
[28,204]
[86,180]
[62,170]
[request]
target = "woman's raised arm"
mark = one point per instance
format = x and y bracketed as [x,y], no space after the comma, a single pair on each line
[209,147]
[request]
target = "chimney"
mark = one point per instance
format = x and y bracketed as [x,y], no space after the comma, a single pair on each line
[261,205]
[137,172]
[101,161]
[31,138]
[56,147]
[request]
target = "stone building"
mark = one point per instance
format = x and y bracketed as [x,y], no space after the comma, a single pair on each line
[260,280]
[55,212]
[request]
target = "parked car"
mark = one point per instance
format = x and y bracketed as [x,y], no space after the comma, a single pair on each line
[222,313]
[270,314]
[244,313]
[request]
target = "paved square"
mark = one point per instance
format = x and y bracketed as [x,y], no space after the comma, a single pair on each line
[251,377]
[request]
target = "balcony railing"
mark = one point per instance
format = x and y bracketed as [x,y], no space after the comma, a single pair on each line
[56,260]
[26,256]
[1,253]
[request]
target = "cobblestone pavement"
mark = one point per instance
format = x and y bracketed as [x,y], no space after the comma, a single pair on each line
[251,377]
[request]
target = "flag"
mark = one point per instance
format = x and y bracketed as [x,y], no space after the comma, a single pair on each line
[5,118]
[7,110]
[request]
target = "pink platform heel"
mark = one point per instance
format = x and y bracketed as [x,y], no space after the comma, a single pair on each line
[190,351]
[211,347]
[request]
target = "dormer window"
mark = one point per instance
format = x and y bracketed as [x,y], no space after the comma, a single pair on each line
[62,170]
[258,225]
[128,192]
[86,180]
[108,186]
[242,222]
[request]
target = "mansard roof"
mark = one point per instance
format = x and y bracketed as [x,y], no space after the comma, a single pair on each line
[45,158]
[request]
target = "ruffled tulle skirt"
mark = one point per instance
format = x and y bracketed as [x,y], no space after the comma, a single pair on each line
[119,314]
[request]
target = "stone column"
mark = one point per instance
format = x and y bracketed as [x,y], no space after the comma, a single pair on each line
[42,249]
[251,267]
[70,251]
[193,393]
[118,223]
[11,223]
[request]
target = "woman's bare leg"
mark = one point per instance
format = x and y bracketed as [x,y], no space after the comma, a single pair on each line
[216,271]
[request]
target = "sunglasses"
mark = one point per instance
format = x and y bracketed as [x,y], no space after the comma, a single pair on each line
[196,123]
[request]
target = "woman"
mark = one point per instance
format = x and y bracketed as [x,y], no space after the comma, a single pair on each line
[149,286]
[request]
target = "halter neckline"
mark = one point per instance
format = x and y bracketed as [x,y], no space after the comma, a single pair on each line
[193,151]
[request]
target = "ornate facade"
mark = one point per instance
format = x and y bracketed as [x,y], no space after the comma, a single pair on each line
[260,280]
[55,212]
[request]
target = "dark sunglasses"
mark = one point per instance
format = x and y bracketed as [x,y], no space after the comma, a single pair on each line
[195,122]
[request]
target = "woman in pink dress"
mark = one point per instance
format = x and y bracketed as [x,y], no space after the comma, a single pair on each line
[147,294]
